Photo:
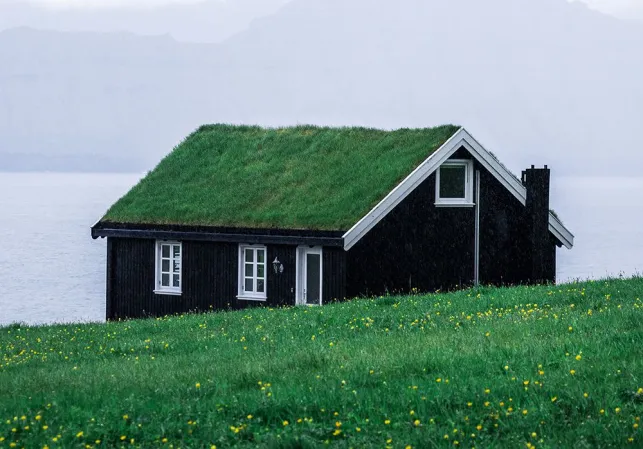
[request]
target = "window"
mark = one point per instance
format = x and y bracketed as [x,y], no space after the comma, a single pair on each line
[454,183]
[168,267]
[252,272]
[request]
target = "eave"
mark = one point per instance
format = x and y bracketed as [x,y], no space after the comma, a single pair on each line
[229,235]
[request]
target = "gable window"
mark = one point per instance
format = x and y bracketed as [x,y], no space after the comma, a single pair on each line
[252,272]
[168,267]
[454,183]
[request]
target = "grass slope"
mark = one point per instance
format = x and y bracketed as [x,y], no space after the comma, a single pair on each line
[542,367]
[300,178]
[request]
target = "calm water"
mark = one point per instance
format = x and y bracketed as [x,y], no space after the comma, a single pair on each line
[51,270]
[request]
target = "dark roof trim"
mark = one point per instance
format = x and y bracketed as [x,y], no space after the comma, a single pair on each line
[253,238]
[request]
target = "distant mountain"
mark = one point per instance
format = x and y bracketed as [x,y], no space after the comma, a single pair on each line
[201,21]
[540,82]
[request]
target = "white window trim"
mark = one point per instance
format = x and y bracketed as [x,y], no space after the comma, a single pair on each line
[241,293]
[299,274]
[467,201]
[161,290]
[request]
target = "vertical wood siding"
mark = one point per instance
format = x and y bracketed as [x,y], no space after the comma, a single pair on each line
[505,243]
[334,275]
[417,245]
[209,278]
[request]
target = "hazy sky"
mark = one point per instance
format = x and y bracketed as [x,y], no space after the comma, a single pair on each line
[621,8]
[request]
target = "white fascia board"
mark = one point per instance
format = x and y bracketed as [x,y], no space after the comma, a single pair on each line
[560,231]
[461,138]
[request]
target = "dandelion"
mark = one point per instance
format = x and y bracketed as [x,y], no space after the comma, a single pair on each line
[554,399]
[198,385]
[338,424]
[285,423]
[38,417]
[416,422]
[602,412]
[249,417]
[387,421]
[487,391]
[125,417]
[525,411]
[579,357]
[123,437]
[572,371]
[585,395]
[617,410]
[337,432]
[570,329]
[79,434]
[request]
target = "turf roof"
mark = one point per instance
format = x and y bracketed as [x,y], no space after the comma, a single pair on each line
[302,177]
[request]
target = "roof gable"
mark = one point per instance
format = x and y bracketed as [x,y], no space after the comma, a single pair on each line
[302,177]
[462,138]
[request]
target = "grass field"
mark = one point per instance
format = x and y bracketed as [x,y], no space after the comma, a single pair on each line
[543,367]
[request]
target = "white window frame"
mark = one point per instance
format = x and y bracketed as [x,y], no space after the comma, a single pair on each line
[242,293]
[300,273]
[467,201]
[167,290]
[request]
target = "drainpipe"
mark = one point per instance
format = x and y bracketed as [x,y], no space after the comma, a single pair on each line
[536,181]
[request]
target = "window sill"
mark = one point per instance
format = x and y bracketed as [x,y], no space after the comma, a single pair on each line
[455,204]
[252,298]
[167,292]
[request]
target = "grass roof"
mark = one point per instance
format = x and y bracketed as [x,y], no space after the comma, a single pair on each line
[302,177]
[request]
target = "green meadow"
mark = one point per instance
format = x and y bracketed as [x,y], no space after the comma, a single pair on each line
[545,367]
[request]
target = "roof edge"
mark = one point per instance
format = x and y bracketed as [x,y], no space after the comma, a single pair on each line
[460,138]
[218,237]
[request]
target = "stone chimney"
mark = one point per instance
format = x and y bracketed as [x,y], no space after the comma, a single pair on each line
[542,252]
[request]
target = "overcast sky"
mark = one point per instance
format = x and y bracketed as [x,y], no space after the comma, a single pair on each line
[620,8]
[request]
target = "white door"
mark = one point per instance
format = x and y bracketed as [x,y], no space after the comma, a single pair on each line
[309,276]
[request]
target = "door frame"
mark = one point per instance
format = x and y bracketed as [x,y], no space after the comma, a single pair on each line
[301,271]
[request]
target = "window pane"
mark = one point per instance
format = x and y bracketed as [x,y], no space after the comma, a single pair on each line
[249,255]
[165,265]
[165,250]
[248,285]
[177,265]
[452,181]
[260,284]
[165,280]
[260,270]
[177,251]
[176,281]
[249,270]
[313,276]
[261,254]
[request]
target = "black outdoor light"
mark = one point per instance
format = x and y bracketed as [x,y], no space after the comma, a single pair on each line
[278,266]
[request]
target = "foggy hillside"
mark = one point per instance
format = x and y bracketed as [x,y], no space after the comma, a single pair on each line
[535,81]
[202,21]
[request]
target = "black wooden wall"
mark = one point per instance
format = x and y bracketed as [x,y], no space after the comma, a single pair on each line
[209,277]
[418,245]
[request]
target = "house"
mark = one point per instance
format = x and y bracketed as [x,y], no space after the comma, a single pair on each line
[238,216]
